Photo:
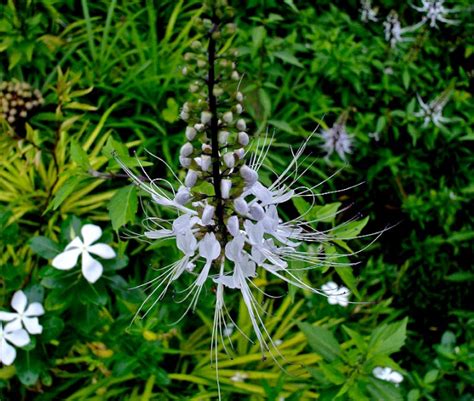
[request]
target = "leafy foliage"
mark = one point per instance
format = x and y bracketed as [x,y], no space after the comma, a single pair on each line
[109,74]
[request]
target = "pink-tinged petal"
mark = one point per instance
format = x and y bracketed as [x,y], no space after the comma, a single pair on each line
[34,309]
[7,316]
[18,337]
[19,301]
[15,324]
[74,244]
[32,325]
[102,250]
[91,268]
[66,260]
[90,233]
[7,353]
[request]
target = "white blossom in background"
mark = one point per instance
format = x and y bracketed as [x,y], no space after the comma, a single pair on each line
[434,11]
[433,111]
[337,139]
[9,339]
[367,13]
[388,375]
[394,33]
[91,268]
[375,135]
[336,295]
[239,377]
[25,316]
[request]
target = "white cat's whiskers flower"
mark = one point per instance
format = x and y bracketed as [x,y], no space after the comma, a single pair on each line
[434,11]
[433,111]
[394,33]
[367,12]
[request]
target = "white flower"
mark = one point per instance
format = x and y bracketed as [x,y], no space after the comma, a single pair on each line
[336,139]
[432,112]
[19,338]
[26,317]
[336,295]
[239,377]
[91,268]
[367,13]
[394,31]
[387,374]
[434,11]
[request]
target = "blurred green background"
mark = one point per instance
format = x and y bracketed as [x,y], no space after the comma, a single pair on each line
[110,76]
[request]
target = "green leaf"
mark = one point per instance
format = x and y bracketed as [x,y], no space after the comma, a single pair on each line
[326,213]
[44,247]
[356,338]
[287,57]
[350,230]
[431,376]
[64,191]
[346,275]
[383,391]
[204,188]
[123,206]
[170,113]
[388,338]
[79,156]
[28,369]
[321,341]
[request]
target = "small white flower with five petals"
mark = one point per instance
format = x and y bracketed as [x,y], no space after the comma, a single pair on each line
[91,268]
[25,316]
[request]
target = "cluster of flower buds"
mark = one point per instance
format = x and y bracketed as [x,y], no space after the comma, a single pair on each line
[18,100]
[336,139]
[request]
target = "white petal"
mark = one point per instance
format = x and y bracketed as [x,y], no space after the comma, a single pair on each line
[209,247]
[233,225]
[19,301]
[7,316]
[18,337]
[90,233]
[208,215]
[102,250]
[66,260]
[15,324]
[395,377]
[91,268]
[75,243]
[234,248]
[32,325]
[34,309]
[227,281]
[7,353]
[186,243]
[329,287]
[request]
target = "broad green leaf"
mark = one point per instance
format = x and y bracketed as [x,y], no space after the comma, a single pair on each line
[388,338]
[44,247]
[381,390]
[123,206]
[350,230]
[321,341]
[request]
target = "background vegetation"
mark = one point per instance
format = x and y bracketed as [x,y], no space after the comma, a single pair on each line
[109,72]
